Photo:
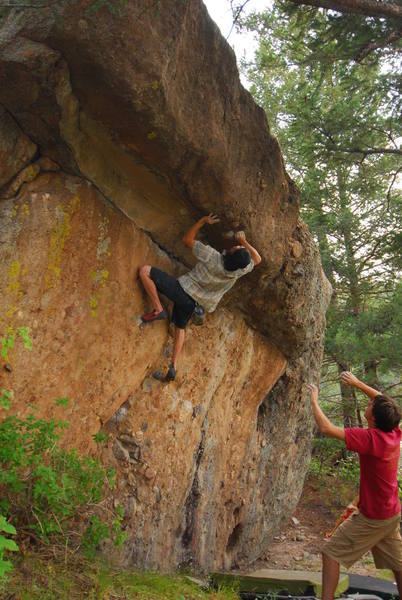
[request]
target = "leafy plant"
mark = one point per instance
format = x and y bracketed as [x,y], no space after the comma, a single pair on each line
[24,333]
[98,531]
[6,545]
[5,398]
[61,402]
[331,459]
[44,487]
[118,534]
[7,342]
[100,438]
[95,533]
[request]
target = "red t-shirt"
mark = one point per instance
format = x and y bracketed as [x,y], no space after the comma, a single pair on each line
[379,459]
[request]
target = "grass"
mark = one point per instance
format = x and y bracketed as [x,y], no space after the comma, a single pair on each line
[368,562]
[51,575]
[41,578]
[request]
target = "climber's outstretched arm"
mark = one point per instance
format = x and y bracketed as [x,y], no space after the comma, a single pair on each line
[323,423]
[349,379]
[241,238]
[189,236]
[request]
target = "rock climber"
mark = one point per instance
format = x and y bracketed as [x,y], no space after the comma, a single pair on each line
[213,275]
[375,525]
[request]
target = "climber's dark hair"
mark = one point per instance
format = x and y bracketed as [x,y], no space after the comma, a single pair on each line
[239,259]
[386,413]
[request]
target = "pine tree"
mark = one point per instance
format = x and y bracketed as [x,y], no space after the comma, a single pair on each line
[336,122]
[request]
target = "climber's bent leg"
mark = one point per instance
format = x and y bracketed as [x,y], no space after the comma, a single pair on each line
[150,288]
[155,281]
[182,310]
[179,335]
[178,345]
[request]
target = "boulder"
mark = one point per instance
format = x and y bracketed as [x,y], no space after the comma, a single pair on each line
[118,129]
[16,149]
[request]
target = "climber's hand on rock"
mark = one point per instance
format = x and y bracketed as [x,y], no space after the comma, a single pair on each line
[211,219]
[189,236]
[240,237]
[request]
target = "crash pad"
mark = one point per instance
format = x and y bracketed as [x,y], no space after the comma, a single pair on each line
[277,580]
[365,584]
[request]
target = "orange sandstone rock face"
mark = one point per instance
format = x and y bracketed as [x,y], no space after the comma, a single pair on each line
[116,133]
[70,271]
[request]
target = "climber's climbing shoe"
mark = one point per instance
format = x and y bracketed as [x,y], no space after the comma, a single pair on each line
[171,374]
[158,376]
[154,316]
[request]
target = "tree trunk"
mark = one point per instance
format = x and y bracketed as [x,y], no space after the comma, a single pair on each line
[346,227]
[370,373]
[349,401]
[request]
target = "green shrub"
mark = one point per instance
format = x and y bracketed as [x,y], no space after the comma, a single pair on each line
[94,534]
[5,398]
[44,488]
[330,458]
[6,545]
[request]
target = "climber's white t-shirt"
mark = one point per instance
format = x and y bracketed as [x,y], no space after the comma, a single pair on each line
[208,281]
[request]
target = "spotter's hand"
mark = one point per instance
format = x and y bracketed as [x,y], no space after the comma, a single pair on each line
[348,378]
[314,392]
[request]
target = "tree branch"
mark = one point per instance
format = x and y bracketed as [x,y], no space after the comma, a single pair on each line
[367,152]
[393,37]
[389,387]
[391,186]
[370,255]
[370,8]
[236,14]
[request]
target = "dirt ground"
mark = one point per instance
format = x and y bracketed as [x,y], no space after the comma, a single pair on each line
[298,545]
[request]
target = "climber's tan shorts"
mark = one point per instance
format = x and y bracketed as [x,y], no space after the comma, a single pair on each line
[358,534]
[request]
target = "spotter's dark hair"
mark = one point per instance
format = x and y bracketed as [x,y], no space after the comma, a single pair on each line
[386,413]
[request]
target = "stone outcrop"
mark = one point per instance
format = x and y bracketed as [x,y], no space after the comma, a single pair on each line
[119,128]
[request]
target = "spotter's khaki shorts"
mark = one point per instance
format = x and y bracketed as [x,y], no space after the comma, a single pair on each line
[359,534]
